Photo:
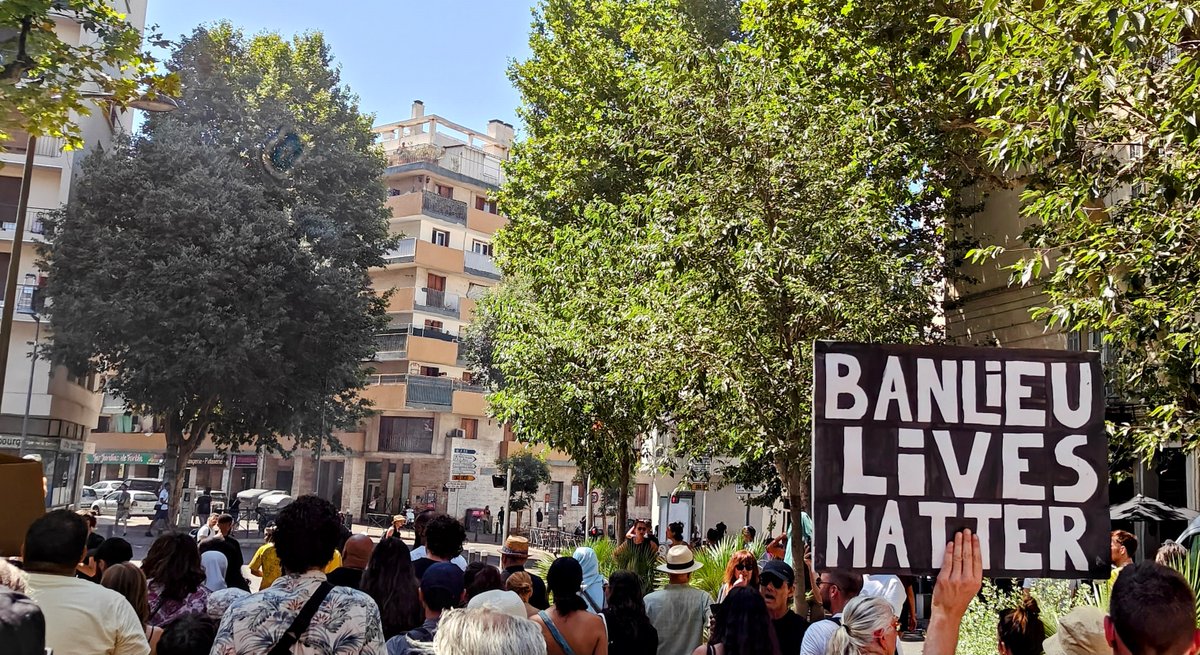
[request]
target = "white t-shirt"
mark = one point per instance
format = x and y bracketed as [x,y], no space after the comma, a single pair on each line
[419,552]
[887,587]
[816,638]
[84,618]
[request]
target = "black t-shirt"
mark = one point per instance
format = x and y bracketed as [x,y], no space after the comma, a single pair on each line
[203,505]
[233,555]
[789,632]
[344,576]
[94,541]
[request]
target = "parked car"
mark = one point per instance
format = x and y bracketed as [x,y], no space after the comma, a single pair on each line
[105,487]
[144,484]
[143,504]
[87,496]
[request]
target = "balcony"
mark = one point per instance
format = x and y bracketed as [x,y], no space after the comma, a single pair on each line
[33,220]
[426,392]
[432,351]
[447,209]
[25,299]
[391,346]
[481,265]
[386,391]
[469,401]
[437,302]
[485,222]
[426,254]
[45,146]
[404,251]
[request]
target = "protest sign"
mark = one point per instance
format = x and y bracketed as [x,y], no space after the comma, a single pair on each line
[913,443]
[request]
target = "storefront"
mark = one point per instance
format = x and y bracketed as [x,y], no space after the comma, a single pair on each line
[60,463]
[203,470]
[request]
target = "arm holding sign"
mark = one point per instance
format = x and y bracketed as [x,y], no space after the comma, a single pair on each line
[958,582]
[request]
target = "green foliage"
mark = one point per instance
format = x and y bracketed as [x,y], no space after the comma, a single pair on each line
[978,630]
[215,281]
[604,556]
[43,78]
[1090,107]
[529,472]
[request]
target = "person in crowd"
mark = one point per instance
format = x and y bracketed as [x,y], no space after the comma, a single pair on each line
[1123,546]
[629,629]
[398,522]
[593,582]
[129,581]
[741,571]
[638,553]
[12,578]
[114,550]
[1171,554]
[23,626]
[357,555]
[887,587]
[834,589]
[209,529]
[306,533]
[124,503]
[176,579]
[1020,629]
[444,537]
[868,627]
[87,568]
[480,577]
[215,568]
[743,627]
[219,601]
[675,534]
[521,584]
[82,618]
[485,631]
[190,635]
[265,563]
[160,512]
[1080,632]
[565,628]
[506,602]
[513,557]
[539,518]
[1151,611]
[418,525]
[777,586]
[956,586]
[747,536]
[679,611]
[441,589]
[231,549]
[777,549]
[390,580]
[203,503]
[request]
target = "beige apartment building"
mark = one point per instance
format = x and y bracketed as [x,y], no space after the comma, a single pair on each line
[47,412]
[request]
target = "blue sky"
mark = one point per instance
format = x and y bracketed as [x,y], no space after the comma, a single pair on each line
[452,54]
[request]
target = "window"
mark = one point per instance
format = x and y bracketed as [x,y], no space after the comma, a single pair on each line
[485,205]
[435,282]
[431,371]
[445,191]
[470,428]
[481,247]
[441,238]
[401,434]
[578,494]
[433,325]
[641,495]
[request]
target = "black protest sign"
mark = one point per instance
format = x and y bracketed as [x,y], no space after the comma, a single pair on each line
[914,443]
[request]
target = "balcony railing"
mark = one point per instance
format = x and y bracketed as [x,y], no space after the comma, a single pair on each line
[375,380]
[480,264]
[394,442]
[33,218]
[437,301]
[45,146]
[405,250]
[427,391]
[391,346]
[26,302]
[449,209]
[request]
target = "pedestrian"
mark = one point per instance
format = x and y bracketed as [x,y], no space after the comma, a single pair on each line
[398,521]
[741,571]
[209,529]
[204,503]
[1021,631]
[481,577]
[566,629]
[487,519]
[82,618]
[743,627]
[629,629]
[129,581]
[358,551]
[639,553]
[675,534]
[1151,610]
[419,525]
[231,549]
[777,586]
[538,517]
[190,635]
[444,538]
[215,567]
[389,579]
[124,503]
[265,563]
[747,536]
[23,626]
[679,611]
[513,557]
[111,551]
[441,589]
[593,582]
[500,519]
[175,579]
[160,511]
[834,589]
[1123,547]
[486,631]
[338,619]
[868,627]
[520,583]
[93,540]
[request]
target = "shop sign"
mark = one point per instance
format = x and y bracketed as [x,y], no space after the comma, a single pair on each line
[70,446]
[207,459]
[245,461]
[38,443]
[10,442]
[125,458]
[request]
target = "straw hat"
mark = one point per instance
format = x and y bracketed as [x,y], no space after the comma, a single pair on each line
[400,518]
[680,560]
[516,547]
[1080,632]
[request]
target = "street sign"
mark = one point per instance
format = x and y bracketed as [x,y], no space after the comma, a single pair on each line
[699,486]
[743,490]
[456,484]
[464,465]
[464,478]
[595,497]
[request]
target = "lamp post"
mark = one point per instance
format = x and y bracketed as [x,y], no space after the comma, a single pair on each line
[37,334]
[162,104]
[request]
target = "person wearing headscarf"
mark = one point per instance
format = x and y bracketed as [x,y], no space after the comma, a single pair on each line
[593,582]
[214,565]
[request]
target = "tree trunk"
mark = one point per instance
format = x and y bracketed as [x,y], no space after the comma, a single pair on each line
[795,480]
[180,448]
[622,499]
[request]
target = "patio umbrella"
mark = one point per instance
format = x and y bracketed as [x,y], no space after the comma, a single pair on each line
[1141,508]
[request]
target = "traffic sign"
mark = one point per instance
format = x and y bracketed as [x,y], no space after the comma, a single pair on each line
[463,477]
[456,484]
[743,490]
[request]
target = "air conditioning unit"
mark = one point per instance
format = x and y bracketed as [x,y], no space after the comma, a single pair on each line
[456,433]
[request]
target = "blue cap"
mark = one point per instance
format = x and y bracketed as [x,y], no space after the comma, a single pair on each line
[442,586]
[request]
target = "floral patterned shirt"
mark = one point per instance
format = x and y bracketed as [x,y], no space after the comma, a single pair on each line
[347,623]
[163,612]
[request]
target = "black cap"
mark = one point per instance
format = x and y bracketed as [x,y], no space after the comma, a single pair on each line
[22,625]
[780,570]
[113,550]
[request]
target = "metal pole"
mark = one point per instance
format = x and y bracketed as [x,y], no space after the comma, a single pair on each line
[37,333]
[507,499]
[587,524]
[14,262]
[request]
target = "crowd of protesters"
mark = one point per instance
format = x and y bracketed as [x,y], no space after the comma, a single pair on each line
[325,592]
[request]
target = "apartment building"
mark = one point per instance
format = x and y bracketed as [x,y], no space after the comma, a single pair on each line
[48,412]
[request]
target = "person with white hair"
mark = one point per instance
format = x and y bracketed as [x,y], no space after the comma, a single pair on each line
[869,627]
[486,631]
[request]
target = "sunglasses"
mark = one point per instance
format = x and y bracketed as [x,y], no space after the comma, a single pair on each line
[771,582]
[745,567]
